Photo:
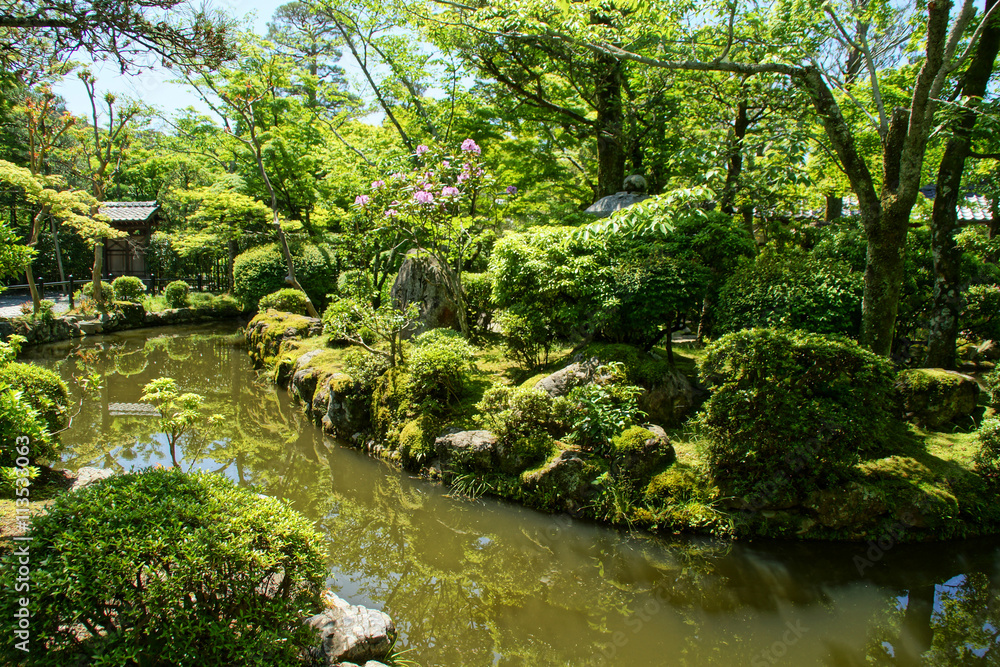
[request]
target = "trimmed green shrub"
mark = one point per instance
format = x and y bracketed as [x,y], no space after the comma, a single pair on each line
[792,290]
[981,315]
[792,407]
[87,290]
[365,368]
[355,284]
[262,270]
[23,430]
[551,278]
[128,288]
[177,294]
[287,300]
[163,567]
[42,388]
[525,341]
[439,365]
[988,457]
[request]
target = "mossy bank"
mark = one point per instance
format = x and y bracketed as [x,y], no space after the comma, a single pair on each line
[496,432]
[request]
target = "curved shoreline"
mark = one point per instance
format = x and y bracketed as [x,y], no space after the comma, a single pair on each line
[293,352]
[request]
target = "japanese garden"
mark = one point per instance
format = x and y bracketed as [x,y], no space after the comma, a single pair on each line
[596,332]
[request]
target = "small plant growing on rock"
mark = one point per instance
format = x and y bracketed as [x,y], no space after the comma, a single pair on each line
[177,294]
[357,322]
[162,567]
[604,408]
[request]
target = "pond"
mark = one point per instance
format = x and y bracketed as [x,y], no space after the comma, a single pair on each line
[483,582]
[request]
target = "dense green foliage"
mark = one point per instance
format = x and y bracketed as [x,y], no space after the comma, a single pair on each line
[287,300]
[33,402]
[988,456]
[177,294]
[981,315]
[440,364]
[262,270]
[523,421]
[43,389]
[604,408]
[164,567]
[128,288]
[792,405]
[792,290]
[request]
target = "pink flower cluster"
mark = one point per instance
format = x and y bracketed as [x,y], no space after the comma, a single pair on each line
[362,200]
[470,146]
[423,197]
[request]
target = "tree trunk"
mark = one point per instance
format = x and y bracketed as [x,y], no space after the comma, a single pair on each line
[230,264]
[735,168]
[883,279]
[55,243]
[834,208]
[29,274]
[96,271]
[944,220]
[610,117]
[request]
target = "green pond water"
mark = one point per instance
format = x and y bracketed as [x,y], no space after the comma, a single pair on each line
[483,582]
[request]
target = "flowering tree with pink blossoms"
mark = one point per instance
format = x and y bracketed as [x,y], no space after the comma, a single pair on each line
[441,208]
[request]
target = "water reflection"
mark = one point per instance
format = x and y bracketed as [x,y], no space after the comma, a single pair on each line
[487,583]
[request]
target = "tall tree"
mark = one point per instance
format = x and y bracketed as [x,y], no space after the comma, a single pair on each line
[944,217]
[239,94]
[794,42]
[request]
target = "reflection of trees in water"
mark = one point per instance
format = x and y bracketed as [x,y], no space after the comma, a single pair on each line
[954,623]
[468,581]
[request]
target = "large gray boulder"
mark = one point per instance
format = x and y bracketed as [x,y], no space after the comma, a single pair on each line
[563,380]
[421,281]
[467,450]
[932,397]
[350,633]
[670,399]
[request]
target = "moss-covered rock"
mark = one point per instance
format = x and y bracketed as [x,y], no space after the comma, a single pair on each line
[416,441]
[563,483]
[268,331]
[933,397]
[640,451]
[854,506]
[348,409]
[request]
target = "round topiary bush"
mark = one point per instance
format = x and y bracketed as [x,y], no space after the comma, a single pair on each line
[791,407]
[166,568]
[177,294]
[43,389]
[128,288]
[439,365]
[288,300]
[262,270]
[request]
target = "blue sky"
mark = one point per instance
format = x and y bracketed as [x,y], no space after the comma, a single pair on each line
[153,87]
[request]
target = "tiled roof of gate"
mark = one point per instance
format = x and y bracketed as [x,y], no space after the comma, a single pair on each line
[129,211]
